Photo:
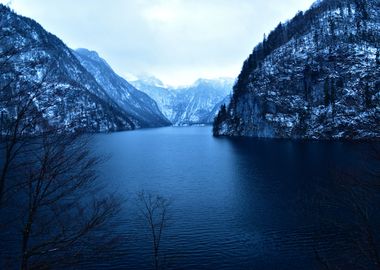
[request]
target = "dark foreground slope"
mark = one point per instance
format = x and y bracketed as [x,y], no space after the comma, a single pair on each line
[316,76]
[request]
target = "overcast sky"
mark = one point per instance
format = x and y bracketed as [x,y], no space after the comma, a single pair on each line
[176,40]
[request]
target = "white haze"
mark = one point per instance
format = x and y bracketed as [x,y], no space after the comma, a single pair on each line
[176,40]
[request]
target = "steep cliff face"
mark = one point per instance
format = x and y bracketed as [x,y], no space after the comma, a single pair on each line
[159,92]
[316,76]
[196,104]
[135,103]
[39,66]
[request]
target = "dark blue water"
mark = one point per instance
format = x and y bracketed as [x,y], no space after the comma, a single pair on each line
[236,203]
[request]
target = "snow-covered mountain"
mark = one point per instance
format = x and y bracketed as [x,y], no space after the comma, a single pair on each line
[188,105]
[33,60]
[316,76]
[134,102]
[159,92]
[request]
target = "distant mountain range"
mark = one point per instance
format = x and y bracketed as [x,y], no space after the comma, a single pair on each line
[316,76]
[196,104]
[80,91]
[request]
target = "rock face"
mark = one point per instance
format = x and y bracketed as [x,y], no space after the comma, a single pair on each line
[35,61]
[314,77]
[192,105]
[136,103]
[158,92]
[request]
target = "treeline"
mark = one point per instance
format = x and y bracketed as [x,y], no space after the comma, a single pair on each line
[219,119]
[298,26]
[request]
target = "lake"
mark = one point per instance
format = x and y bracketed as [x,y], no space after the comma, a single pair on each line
[236,203]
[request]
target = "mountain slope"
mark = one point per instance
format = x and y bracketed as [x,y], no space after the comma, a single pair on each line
[164,98]
[317,77]
[195,104]
[136,103]
[33,60]
[189,105]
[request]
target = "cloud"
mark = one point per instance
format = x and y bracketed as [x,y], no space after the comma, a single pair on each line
[176,40]
[162,13]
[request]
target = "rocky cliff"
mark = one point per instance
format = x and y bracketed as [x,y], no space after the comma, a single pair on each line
[316,76]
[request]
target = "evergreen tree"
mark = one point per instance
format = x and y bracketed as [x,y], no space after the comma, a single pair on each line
[358,26]
[349,11]
[307,73]
[219,119]
[340,86]
[367,96]
[332,96]
[332,92]
[332,27]
[265,46]
[326,91]
[341,11]
[340,83]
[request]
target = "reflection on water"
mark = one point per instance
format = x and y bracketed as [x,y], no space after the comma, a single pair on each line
[237,203]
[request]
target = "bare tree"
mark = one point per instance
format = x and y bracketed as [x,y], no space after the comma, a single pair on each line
[51,202]
[19,115]
[19,119]
[58,204]
[155,212]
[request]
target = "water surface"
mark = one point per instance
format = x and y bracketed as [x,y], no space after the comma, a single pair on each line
[236,203]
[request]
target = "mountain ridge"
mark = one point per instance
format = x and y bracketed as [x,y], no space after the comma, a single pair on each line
[314,77]
[133,101]
[195,104]
[75,100]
